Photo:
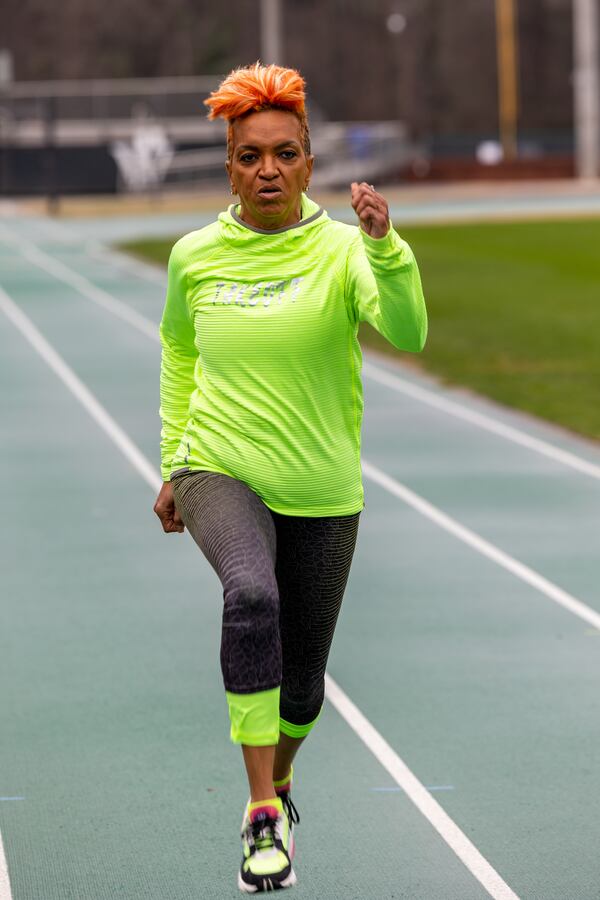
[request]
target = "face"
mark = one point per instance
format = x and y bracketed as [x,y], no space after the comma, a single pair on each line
[269,168]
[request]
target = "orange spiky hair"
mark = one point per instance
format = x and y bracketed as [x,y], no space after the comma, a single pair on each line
[255,88]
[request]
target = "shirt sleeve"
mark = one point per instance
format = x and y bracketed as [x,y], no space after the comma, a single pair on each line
[178,361]
[384,289]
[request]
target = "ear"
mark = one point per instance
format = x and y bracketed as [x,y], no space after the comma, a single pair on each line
[309,167]
[228,169]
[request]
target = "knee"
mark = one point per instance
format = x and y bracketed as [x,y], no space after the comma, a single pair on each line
[250,602]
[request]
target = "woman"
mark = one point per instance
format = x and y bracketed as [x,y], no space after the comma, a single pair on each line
[261,404]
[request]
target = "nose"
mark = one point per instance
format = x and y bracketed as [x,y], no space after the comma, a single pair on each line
[268,168]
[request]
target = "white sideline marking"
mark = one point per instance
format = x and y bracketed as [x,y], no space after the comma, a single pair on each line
[120,260]
[450,832]
[468,854]
[59,231]
[78,388]
[150,329]
[520,570]
[102,298]
[5,893]
[481,420]
[139,461]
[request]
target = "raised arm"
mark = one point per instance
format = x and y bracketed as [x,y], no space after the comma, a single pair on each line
[382,277]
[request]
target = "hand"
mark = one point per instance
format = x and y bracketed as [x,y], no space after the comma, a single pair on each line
[371,209]
[166,511]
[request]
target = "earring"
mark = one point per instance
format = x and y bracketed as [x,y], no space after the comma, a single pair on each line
[306,188]
[232,189]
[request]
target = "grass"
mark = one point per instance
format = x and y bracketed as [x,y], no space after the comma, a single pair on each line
[514,313]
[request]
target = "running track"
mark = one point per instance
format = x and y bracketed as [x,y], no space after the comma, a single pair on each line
[457,756]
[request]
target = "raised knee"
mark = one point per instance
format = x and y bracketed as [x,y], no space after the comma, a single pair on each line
[247,601]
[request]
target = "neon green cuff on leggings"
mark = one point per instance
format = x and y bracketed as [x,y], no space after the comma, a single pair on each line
[297,731]
[254,717]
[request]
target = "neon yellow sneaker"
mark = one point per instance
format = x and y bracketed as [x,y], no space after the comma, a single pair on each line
[266,863]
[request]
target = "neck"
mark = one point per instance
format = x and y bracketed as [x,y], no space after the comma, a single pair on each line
[291,217]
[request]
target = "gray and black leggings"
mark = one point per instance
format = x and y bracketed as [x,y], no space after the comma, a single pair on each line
[283,581]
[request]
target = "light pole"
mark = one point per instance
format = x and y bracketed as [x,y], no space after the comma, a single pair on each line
[506,50]
[6,115]
[585,85]
[270,32]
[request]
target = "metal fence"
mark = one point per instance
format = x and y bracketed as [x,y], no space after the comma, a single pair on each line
[141,134]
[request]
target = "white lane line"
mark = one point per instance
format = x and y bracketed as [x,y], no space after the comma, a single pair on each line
[481,420]
[466,851]
[427,509]
[150,329]
[5,893]
[521,571]
[58,232]
[444,825]
[130,264]
[78,388]
[102,298]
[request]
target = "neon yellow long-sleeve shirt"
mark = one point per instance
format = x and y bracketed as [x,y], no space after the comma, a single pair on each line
[260,374]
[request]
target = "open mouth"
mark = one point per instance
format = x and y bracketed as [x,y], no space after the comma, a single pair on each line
[270,190]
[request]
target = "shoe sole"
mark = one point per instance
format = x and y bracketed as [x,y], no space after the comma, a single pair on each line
[268,884]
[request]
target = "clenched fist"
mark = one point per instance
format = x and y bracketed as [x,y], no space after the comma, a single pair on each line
[371,209]
[166,510]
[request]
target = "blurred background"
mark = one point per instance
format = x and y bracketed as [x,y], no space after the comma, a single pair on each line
[469,634]
[478,121]
[100,97]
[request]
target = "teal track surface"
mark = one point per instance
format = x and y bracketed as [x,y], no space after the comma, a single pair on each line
[117,778]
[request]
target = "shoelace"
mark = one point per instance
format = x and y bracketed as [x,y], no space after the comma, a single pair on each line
[290,809]
[263,833]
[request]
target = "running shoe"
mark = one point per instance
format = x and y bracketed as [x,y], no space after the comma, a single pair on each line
[283,789]
[266,863]
[292,817]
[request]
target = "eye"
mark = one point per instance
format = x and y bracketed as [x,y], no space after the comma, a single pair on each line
[247,157]
[289,154]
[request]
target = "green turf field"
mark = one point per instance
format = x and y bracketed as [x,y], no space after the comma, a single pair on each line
[514,312]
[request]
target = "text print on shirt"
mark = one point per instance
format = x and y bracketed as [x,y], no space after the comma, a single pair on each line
[251,294]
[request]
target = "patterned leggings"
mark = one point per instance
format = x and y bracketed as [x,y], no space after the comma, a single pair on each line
[283,581]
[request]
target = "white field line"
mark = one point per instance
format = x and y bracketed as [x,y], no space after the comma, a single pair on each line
[473,540]
[150,329]
[78,388]
[102,298]
[144,270]
[5,893]
[58,232]
[437,401]
[466,851]
[416,792]
[520,570]
[553,592]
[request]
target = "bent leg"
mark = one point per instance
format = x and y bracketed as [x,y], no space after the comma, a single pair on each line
[235,531]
